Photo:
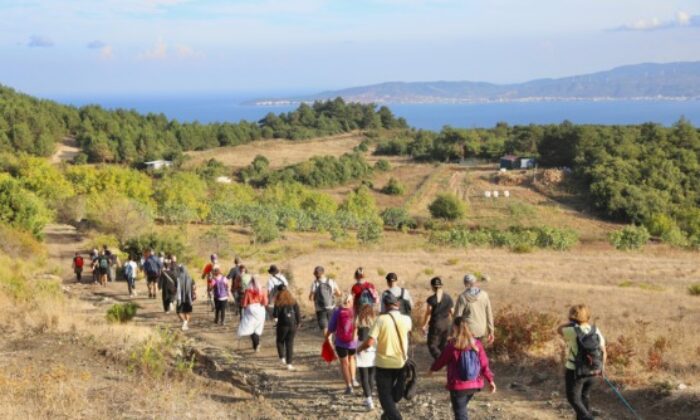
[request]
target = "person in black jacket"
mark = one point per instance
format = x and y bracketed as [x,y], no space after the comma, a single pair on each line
[286,311]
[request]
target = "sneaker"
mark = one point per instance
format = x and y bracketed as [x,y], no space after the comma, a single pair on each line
[185,327]
[290,368]
[355,383]
[257,349]
[284,361]
[369,404]
[348,390]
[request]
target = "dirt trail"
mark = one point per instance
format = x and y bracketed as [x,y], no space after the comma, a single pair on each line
[314,390]
[66,150]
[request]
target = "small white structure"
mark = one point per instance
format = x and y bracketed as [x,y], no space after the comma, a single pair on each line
[158,164]
[224,180]
[487,194]
[506,193]
[495,194]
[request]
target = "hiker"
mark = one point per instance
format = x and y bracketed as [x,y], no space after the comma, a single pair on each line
[130,275]
[404,298]
[436,322]
[323,294]
[363,292]
[253,319]
[474,305]
[286,312]
[221,293]
[275,280]
[235,270]
[585,359]
[78,263]
[239,284]
[168,287]
[94,255]
[366,360]
[467,367]
[152,268]
[342,326]
[185,295]
[390,333]
[114,263]
[108,253]
[207,275]
[102,265]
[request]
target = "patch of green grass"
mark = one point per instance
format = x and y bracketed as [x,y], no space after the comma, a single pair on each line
[428,271]
[641,285]
[122,312]
[452,261]
[381,272]
[694,289]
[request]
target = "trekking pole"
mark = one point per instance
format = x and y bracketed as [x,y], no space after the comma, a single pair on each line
[624,401]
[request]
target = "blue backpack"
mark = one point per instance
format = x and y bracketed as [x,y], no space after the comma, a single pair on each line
[469,367]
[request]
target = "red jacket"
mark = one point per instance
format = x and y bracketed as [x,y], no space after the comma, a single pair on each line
[356,291]
[450,357]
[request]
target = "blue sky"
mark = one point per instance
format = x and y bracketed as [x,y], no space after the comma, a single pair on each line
[125,47]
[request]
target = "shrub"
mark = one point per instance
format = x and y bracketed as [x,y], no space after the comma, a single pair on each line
[447,206]
[264,231]
[518,239]
[160,242]
[398,218]
[382,165]
[694,289]
[629,237]
[559,239]
[519,331]
[393,187]
[621,351]
[122,312]
[22,209]
[370,231]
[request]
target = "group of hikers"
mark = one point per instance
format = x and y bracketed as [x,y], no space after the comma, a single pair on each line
[368,331]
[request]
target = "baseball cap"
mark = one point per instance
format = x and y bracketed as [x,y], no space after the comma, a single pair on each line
[436,282]
[389,299]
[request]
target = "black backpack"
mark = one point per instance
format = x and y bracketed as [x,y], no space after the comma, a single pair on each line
[404,304]
[589,359]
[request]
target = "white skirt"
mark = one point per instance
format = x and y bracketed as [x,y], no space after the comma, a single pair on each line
[253,320]
[366,358]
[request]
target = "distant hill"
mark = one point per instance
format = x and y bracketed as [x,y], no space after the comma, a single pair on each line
[678,81]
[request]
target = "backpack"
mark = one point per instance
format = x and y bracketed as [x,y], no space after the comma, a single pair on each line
[151,266]
[220,288]
[345,327]
[287,316]
[404,304]
[103,262]
[128,270]
[368,296]
[324,294]
[469,365]
[589,359]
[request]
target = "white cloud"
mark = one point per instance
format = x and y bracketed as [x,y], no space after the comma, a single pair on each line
[39,41]
[682,19]
[159,51]
[106,53]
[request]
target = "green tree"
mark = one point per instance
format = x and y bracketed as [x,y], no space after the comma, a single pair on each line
[447,206]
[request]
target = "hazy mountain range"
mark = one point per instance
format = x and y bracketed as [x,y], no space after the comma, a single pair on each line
[675,81]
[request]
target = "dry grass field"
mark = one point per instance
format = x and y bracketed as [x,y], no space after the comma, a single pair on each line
[279,152]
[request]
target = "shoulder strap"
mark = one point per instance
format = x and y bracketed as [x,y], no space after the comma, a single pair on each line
[398,333]
[402,290]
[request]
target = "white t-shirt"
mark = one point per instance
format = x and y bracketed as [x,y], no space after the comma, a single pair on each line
[314,286]
[272,283]
[396,291]
[133,266]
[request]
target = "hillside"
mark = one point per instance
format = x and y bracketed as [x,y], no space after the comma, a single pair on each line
[647,81]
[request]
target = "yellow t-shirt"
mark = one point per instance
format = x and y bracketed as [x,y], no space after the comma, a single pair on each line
[389,355]
[572,347]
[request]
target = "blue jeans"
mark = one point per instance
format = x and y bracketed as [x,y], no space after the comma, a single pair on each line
[459,400]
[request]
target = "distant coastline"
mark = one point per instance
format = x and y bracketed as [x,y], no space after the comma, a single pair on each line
[445,101]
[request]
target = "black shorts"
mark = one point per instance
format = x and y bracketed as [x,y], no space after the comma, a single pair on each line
[184,308]
[342,352]
[151,278]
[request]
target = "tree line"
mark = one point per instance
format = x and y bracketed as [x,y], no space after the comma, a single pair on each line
[34,126]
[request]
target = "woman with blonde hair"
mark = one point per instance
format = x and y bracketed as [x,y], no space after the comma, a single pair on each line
[253,319]
[286,312]
[467,367]
[366,360]
[582,364]
[342,326]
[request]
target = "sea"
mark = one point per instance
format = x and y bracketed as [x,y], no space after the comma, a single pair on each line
[234,108]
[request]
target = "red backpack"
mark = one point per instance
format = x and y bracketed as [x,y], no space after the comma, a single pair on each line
[345,328]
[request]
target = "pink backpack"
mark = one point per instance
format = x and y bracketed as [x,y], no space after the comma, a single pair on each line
[345,329]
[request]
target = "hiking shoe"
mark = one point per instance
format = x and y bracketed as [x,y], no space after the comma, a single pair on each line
[290,368]
[369,404]
[348,390]
[185,327]
[284,361]
[355,383]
